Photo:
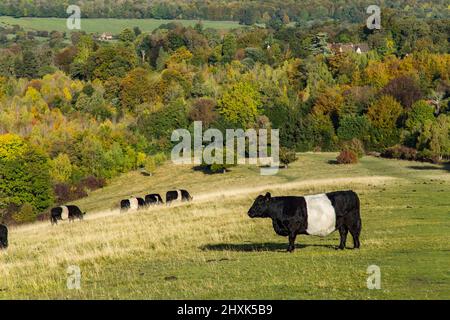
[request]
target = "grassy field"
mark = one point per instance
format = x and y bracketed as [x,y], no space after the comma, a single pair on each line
[115,26]
[210,248]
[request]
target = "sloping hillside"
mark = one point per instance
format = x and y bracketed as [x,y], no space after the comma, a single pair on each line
[211,249]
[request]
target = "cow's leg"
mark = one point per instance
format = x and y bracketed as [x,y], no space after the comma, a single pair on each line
[355,230]
[343,231]
[291,247]
[355,234]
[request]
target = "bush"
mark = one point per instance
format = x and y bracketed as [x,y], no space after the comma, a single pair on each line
[150,165]
[287,156]
[347,157]
[354,145]
[427,156]
[400,152]
[92,183]
[25,214]
[218,167]
[160,158]
[65,192]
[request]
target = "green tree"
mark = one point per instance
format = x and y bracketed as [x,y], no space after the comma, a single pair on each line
[434,139]
[127,35]
[240,104]
[61,168]
[134,88]
[420,112]
[353,127]
[110,61]
[229,47]
[384,113]
[25,176]
[28,66]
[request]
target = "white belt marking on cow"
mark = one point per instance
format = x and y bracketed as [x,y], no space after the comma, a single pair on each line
[134,204]
[64,213]
[179,196]
[321,215]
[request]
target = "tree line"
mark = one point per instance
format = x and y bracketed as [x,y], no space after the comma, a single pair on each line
[247,12]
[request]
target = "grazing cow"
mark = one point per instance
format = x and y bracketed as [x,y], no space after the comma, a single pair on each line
[318,215]
[132,203]
[125,205]
[153,199]
[3,237]
[141,203]
[75,213]
[66,213]
[178,195]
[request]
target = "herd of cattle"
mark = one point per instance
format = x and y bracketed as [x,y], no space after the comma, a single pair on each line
[318,215]
[71,212]
[136,203]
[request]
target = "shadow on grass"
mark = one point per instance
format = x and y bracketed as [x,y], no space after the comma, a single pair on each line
[445,166]
[267,246]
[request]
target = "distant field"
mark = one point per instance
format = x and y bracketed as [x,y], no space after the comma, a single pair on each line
[210,249]
[114,26]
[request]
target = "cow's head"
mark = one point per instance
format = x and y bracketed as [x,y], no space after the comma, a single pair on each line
[259,207]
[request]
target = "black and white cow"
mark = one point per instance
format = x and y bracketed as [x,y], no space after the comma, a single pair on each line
[141,203]
[66,213]
[177,195]
[153,199]
[3,237]
[132,203]
[317,215]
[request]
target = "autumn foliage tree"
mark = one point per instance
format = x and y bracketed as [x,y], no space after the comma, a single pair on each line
[240,104]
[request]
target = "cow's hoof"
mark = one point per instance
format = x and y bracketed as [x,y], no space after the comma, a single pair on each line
[340,248]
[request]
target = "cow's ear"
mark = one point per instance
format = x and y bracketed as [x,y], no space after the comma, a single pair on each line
[268,195]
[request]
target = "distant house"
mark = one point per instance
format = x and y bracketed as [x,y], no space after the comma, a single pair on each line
[106,36]
[348,47]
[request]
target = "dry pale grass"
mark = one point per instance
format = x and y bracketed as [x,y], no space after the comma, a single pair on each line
[40,253]
[205,249]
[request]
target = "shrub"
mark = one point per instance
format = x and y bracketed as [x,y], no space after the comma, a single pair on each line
[65,192]
[160,158]
[150,164]
[400,152]
[25,214]
[218,167]
[347,157]
[287,156]
[354,145]
[92,183]
[427,155]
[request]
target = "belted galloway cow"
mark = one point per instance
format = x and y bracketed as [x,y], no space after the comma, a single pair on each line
[317,215]
[66,213]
